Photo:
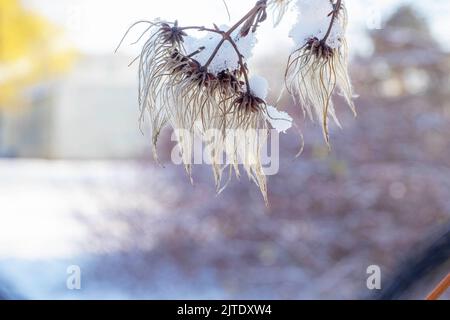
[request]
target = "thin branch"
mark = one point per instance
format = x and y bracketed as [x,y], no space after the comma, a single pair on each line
[242,64]
[255,14]
[226,36]
[334,13]
[251,14]
[440,289]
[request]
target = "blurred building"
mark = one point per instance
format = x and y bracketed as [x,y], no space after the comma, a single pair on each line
[90,113]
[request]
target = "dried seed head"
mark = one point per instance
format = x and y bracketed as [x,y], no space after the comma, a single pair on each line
[229,81]
[172,34]
[320,66]
[319,49]
[196,85]
[249,103]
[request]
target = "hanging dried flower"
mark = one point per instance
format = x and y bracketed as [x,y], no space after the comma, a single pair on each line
[201,87]
[320,64]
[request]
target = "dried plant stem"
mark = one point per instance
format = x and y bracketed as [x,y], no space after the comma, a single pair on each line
[242,64]
[250,15]
[334,14]
[253,14]
[440,289]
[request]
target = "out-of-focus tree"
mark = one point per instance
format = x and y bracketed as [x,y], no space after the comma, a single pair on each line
[31,50]
[407,59]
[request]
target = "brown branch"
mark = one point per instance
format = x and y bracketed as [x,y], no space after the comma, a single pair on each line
[243,67]
[440,289]
[334,13]
[254,16]
[226,36]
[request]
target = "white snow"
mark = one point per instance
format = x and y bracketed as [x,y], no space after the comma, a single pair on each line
[227,57]
[313,21]
[280,120]
[259,86]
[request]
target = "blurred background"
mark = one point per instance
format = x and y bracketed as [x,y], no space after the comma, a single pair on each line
[78,185]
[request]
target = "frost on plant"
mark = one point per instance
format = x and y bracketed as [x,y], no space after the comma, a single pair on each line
[196,80]
[320,64]
[201,86]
